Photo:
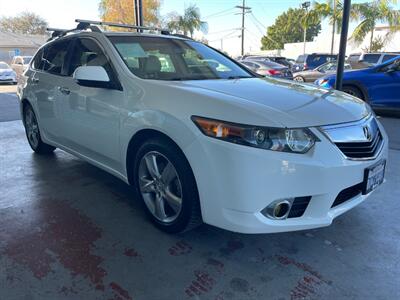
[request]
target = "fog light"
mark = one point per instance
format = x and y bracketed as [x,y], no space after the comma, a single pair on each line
[278,210]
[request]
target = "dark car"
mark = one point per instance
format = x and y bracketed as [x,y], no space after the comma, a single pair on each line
[278,59]
[268,68]
[378,85]
[312,61]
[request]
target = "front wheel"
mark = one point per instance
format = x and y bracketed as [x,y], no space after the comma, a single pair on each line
[165,182]
[353,91]
[33,133]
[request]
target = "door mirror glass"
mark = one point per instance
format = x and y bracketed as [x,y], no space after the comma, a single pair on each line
[92,76]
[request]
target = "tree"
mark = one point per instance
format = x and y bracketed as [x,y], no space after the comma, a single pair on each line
[188,23]
[24,23]
[333,11]
[369,14]
[289,28]
[122,11]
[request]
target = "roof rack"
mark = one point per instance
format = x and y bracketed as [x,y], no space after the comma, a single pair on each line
[57,32]
[112,24]
[88,24]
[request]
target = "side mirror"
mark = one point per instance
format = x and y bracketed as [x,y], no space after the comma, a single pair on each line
[92,76]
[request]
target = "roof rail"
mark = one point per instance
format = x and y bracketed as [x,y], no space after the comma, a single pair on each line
[112,24]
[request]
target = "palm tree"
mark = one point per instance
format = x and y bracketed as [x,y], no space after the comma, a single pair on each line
[189,22]
[331,9]
[370,13]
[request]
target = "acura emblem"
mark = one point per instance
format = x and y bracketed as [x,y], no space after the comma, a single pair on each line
[367,133]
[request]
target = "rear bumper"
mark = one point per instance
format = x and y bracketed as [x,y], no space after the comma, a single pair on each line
[237,182]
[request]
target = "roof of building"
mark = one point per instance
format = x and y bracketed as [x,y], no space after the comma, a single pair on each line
[8,39]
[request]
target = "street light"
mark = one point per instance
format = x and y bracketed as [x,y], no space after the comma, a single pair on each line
[305,6]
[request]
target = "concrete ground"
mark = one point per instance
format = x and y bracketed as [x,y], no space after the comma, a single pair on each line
[71,231]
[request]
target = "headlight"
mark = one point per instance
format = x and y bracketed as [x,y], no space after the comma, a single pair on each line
[324,83]
[298,140]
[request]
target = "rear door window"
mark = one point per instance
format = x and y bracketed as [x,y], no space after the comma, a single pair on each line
[300,59]
[371,58]
[54,57]
[388,57]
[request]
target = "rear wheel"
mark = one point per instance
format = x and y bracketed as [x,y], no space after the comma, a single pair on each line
[353,91]
[165,182]
[33,133]
[299,79]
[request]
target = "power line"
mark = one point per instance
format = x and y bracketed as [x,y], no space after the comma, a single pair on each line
[222,12]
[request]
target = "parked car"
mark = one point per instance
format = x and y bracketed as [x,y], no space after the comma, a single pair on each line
[19,64]
[277,59]
[226,147]
[365,60]
[378,85]
[268,68]
[311,61]
[7,75]
[323,70]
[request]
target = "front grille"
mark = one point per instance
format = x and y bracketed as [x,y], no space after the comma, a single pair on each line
[348,194]
[299,206]
[363,149]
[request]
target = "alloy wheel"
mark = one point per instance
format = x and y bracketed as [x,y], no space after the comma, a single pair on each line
[32,128]
[160,186]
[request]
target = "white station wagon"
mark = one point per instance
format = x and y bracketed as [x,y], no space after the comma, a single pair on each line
[201,138]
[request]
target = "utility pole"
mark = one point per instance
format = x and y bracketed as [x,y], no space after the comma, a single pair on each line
[138,9]
[245,9]
[333,26]
[343,42]
[305,5]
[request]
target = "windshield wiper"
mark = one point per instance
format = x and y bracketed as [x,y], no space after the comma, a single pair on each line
[238,77]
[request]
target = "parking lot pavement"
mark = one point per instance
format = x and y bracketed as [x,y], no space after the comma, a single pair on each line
[71,231]
[9,110]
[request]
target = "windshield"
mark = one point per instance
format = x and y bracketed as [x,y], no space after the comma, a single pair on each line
[4,65]
[173,59]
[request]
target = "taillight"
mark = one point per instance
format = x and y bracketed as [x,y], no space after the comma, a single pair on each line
[273,72]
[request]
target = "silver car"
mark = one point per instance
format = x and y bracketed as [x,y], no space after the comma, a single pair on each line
[317,73]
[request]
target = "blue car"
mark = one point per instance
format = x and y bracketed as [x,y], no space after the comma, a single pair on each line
[378,85]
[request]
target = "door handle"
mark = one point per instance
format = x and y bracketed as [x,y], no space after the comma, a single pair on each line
[35,80]
[64,90]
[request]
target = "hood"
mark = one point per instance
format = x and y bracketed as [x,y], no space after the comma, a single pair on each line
[6,71]
[299,105]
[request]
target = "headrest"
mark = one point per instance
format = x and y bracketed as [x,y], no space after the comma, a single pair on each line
[152,64]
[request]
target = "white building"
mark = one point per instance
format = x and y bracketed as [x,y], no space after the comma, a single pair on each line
[322,44]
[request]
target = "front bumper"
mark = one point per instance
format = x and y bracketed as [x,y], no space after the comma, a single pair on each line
[237,182]
[7,78]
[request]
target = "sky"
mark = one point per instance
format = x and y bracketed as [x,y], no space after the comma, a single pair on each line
[221,16]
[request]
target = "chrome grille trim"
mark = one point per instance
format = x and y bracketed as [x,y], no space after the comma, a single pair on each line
[361,140]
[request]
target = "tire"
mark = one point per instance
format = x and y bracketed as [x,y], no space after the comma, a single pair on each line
[353,91]
[160,188]
[33,133]
[299,79]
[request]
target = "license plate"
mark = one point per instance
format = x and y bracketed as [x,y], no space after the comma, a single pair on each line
[374,176]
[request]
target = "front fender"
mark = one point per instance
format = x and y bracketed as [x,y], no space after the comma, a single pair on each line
[177,130]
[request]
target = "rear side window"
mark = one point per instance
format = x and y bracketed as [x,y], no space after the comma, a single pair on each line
[388,57]
[54,57]
[37,62]
[371,58]
[301,59]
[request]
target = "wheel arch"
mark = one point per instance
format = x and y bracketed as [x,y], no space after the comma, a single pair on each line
[360,87]
[137,140]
